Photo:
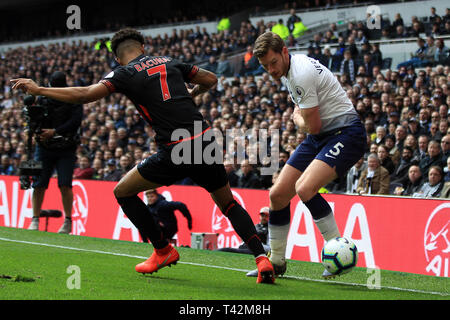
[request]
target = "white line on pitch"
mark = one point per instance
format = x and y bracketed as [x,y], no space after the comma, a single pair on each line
[220,267]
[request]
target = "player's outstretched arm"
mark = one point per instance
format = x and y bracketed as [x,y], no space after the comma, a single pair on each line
[77,95]
[204,81]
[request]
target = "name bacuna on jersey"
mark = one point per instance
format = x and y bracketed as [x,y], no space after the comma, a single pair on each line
[311,84]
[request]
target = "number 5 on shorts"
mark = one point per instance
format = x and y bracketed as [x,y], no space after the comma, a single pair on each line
[334,152]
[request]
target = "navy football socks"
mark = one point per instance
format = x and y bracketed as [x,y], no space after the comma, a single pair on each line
[244,227]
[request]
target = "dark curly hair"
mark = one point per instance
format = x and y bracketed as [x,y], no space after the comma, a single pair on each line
[124,35]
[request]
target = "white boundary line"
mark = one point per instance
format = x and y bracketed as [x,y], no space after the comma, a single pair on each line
[220,267]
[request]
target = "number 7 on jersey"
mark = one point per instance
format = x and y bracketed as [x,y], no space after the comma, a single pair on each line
[161,69]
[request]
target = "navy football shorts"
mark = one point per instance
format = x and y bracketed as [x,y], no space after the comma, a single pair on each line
[340,149]
[160,168]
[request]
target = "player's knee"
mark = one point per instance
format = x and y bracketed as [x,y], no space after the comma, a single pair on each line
[304,191]
[118,191]
[277,198]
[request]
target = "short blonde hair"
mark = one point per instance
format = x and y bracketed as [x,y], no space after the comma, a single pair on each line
[268,40]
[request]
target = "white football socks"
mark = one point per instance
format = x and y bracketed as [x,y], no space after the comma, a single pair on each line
[328,228]
[278,242]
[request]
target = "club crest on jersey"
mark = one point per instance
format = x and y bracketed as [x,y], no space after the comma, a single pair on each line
[300,91]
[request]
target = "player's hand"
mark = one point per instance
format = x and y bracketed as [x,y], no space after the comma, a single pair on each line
[299,121]
[27,85]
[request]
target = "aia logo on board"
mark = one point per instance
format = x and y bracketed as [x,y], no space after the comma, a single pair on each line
[80,208]
[437,241]
[227,238]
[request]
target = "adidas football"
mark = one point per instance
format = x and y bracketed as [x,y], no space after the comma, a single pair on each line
[339,255]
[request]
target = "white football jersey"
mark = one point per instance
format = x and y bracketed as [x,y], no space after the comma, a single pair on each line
[310,84]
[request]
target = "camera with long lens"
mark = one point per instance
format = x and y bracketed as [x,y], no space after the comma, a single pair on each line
[34,116]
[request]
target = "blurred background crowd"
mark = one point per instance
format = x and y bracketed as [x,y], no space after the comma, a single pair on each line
[405,108]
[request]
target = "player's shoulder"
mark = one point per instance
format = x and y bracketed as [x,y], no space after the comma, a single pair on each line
[301,70]
[301,63]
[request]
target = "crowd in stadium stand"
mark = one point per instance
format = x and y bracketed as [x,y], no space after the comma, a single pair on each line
[41,20]
[405,110]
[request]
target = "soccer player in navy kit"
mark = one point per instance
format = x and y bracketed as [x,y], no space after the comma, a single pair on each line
[156,86]
[335,141]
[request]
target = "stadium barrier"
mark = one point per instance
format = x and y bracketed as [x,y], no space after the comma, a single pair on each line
[391,233]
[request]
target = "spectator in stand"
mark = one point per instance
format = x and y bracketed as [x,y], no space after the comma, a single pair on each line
[398,21]
[433,158]
[433,16]
[430,53]
[400,136]
[212,64]
[435,134]
[251,65]
[223,67]
[368,64]
[6,167]
[374,179]
[385,159]
[231,173]
[380,135]
[445,146]
[418,58]
[401,170]
[348,66]
[412,184]
[416,30]
[97,165]
[248,177]
[441,54]
[421,151]
[105,118]
[400,33]
[125,163]
[447,171]
[84,170]
[434,186]
[413,127]
[394,152]
[443,127]
[112,173]
[354,174]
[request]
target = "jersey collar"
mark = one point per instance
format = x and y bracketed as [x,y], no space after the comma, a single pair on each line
[289,68]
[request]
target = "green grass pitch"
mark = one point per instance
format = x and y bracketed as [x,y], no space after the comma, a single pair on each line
[36,265]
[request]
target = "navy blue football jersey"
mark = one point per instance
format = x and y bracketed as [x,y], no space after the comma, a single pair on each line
[156,86]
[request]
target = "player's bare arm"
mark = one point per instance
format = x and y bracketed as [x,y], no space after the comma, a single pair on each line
[203,80]
[76,95]
[298,120]
[307,120]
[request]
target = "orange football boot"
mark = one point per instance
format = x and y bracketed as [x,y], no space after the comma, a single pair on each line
[159,259]
[265,270]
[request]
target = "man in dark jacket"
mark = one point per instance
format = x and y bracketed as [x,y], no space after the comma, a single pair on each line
[248,178]
[433,158]
[401,171]
[163,212]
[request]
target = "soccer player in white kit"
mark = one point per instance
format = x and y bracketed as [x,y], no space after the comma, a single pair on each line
[336,140]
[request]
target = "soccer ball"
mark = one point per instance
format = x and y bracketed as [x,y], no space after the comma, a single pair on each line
[339,255]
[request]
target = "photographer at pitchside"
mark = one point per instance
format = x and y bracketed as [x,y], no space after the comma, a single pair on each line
[56,149]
